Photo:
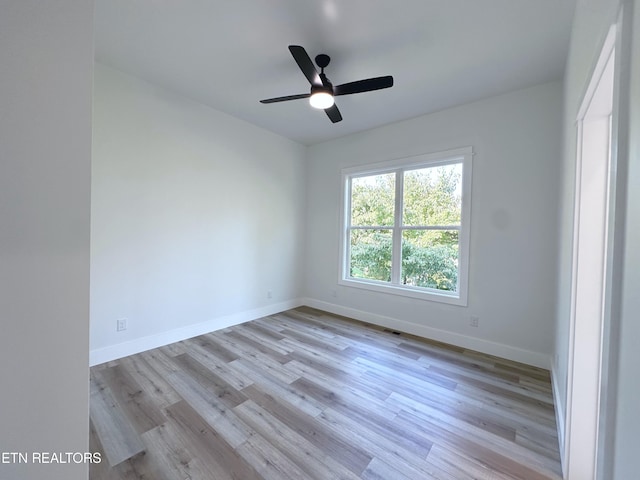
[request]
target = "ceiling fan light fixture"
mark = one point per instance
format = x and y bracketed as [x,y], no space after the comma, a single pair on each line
[321,99]
[322,91]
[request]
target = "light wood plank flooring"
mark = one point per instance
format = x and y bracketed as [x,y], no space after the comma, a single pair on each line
[309,395]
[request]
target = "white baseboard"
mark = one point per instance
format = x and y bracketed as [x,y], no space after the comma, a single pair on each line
[560,419]
[131,347]
[508,352]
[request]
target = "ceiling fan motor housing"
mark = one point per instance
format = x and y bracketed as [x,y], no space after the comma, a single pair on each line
[321,89]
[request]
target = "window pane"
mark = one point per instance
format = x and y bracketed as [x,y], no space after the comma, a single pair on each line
[430,259]
[372,200]
[433,196]
[371,254]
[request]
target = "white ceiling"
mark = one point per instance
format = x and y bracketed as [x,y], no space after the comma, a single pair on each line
[230,54]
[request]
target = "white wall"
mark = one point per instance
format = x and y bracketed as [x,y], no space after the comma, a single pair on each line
[195,216]
[512,278]
[46,53]
[627,428]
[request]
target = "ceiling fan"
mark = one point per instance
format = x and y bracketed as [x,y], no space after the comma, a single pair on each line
[322,91]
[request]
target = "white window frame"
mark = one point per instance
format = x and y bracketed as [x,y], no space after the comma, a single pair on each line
[460,155]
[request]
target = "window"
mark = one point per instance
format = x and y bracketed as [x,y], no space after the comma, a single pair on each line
[406,226]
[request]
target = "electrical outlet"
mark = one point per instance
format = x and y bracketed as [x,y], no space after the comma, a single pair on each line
[474,321]
[121,324]
[269,294]
[334,293]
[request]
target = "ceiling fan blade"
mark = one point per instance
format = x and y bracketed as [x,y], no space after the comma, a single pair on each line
[333,113]
[284,99]
[306,65]
[366,85]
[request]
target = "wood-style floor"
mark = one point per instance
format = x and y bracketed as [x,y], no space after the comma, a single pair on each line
[308,395]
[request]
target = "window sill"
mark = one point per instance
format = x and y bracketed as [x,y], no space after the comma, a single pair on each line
[430,295]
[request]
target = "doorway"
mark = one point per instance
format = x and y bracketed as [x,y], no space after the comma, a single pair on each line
[590,247]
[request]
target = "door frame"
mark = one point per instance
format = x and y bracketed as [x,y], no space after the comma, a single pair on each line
[619,39]
[590,261]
